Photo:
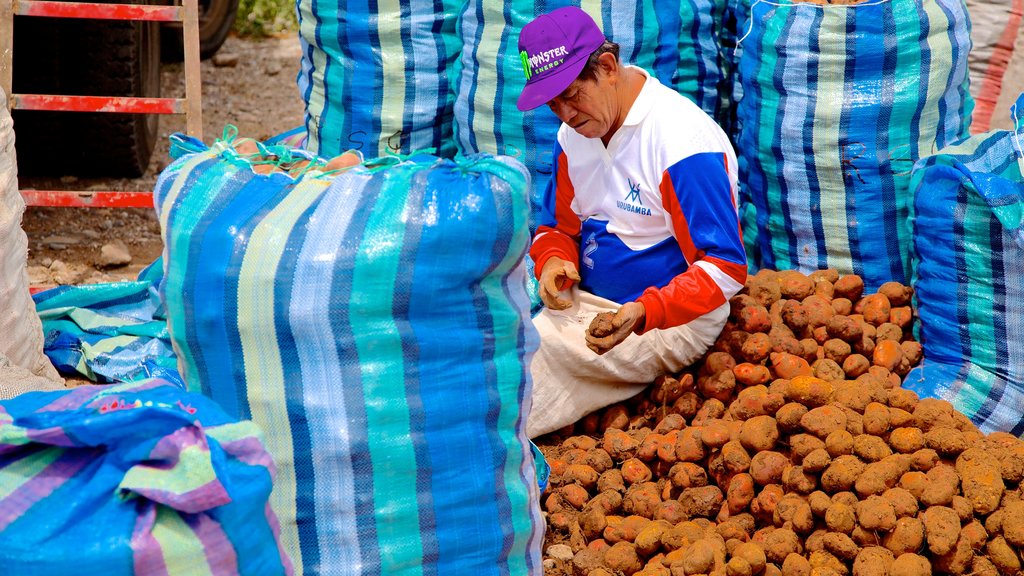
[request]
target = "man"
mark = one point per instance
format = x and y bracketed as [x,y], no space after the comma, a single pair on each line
[639,218]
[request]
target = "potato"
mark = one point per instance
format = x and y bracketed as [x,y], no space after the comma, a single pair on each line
[756,319]
[1013,523]
[764,288]
[622,558]
[896,293]
[1003,556]
[873,561]
[634,471]
[844,328]
[875,309]
[823,420]
[611,480]
[819,311]
[624,529]
[828,369]
[850,287]
[888,331]
[906,537]
[910,565]
[903,502]
[740,493]
[704,501]
[788,416]
[840,518]
[841,546]
[841,474]
[887,354]
[810,391]
[766,467]
[941,527]
[838,443]
[794,316]
[759,433]
[842,306]
[619,445]
[781,543]
[855,365]
[752,374]
[795,285]
[753,555]
[875,513]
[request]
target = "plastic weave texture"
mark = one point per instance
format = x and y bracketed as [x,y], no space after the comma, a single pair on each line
[375,324]
[838,102]
[969,276]
[133,479]
[374,75]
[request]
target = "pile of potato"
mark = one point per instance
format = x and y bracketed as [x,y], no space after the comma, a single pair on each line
[790,449]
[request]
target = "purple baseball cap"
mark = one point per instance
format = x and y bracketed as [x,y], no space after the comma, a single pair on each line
[554,48]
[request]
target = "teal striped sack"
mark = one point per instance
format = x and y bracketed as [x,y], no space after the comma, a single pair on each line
[969,276]
[374,75]
[673,39]
[375,324]
[838,102]
[138,479]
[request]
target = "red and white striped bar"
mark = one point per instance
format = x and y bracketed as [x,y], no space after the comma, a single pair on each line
[125,104]
[87,199]
[101,11]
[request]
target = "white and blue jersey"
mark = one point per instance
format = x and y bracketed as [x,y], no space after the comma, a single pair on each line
[651,217]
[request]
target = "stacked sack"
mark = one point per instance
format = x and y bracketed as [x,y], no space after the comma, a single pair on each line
[838,102]
[133,479]
[375,78]
[676,40]
[23,366]
[995,25]
[374,323]
[969,276]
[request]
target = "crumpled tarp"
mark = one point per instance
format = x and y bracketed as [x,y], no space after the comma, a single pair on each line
[114,332]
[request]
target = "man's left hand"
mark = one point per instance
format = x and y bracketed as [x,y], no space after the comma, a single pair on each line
[626,320]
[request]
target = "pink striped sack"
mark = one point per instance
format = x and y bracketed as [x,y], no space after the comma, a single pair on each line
[139,478]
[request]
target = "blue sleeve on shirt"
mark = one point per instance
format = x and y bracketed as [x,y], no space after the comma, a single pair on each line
[702,187]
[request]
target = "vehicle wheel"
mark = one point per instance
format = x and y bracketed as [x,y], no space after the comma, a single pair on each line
[87,58]
[216,17]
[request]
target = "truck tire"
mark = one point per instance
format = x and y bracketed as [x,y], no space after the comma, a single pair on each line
[216,17]
[87,58]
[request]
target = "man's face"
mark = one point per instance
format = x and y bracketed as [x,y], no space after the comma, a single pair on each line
[587,106]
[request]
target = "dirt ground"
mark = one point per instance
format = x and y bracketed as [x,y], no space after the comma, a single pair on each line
[258,95]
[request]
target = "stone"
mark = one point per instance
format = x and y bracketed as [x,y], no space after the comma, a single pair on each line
[113,255]
[560,552]
[225,60]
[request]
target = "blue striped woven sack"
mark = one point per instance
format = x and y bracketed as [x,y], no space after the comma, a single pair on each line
[838,102]
[138,479]
[374,75]
[673,39]
[969,276]
[111,332]
[375,324]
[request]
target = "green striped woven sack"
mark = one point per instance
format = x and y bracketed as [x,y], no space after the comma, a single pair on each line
[374,75]
[969,276]
[838,102]
[139,479]
[673,39]
[375,324]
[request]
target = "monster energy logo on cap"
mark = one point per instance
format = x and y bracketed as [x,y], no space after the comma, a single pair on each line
[526,64]
[542,61]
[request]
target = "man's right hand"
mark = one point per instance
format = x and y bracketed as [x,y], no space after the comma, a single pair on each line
[552,277]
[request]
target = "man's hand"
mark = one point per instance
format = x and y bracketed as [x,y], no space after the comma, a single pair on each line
[625,321]
[552,277]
